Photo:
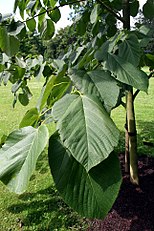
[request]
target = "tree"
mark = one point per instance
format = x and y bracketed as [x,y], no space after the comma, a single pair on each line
[79,93]
[59,45]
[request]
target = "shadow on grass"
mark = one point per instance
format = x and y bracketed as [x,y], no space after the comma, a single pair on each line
[48,213]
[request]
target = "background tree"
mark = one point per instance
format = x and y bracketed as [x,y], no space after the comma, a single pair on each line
[79,93]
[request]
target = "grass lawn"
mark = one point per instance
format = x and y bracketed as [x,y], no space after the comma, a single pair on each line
[41,207]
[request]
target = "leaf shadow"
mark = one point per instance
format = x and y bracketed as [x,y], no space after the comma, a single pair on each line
[45,209]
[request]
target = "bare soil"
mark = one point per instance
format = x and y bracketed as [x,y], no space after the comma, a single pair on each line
[134,207]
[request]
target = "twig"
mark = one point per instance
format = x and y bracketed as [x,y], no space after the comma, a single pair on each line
[109,9]
[52,9]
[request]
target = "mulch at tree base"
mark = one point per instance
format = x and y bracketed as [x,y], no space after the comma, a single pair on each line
[134,207]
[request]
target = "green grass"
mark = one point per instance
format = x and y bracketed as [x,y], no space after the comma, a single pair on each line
[40,207]
[144,112]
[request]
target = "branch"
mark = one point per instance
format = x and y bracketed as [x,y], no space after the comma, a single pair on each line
[137,91]
[52,9]
[111,11]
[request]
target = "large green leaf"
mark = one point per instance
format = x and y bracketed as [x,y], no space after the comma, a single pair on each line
[91,194]
[129,50]
[85,128]
[127,73]
[19,154]
[97,82]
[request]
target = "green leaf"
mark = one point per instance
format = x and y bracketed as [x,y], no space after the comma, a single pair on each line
[30,118]
[91,194]
[15,28]
[94,13]
[85,128]
[41,17]
[31,24]
[129,50]
[48,29]
[52,2]
[134,7]
[9,44]
[148,9]
[23,99]
[46,90]
[19,154]
[30,4]
[127,73]
[97,82]
[53,90]
[15,6]
[55,15]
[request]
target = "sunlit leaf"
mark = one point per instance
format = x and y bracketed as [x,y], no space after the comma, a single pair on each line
[85,128]
[19,154]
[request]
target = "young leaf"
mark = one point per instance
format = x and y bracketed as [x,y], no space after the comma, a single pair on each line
[23,99]
[85,128]
[19,154]
[55,15]
[31,24]
[30,118]
[91,194]
[54,89]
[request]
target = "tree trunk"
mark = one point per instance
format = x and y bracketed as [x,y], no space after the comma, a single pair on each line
[126,148]
[132,138]
[130,135]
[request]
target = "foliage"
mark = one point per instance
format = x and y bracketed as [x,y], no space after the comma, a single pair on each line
[79,93]
[59,45]
[31,45]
